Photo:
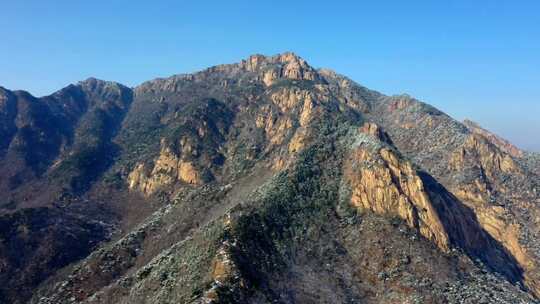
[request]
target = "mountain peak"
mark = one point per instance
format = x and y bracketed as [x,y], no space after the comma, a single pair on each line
[286,65]
[93,82]
[285,57]
[289,57]
[3,91]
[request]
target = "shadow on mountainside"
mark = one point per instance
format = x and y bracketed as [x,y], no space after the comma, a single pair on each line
[465,232]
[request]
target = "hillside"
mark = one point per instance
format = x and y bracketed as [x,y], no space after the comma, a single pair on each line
[264,181]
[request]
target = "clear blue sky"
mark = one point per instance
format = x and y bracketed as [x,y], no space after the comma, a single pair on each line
[475,59]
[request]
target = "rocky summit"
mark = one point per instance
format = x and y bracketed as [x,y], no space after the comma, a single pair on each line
[264,181]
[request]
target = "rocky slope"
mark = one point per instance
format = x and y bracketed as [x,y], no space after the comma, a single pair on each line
[501,143]
[264,181]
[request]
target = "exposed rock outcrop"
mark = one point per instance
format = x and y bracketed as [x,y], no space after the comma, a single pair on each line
[483,176]
[375,131]
[480,192]
[498,141]
[386,185]
[168,169]
[383,182]
[491,160]
[283,66]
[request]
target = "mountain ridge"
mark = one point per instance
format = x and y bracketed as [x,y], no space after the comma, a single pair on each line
[216,186]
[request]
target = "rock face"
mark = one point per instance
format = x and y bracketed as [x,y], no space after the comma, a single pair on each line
[501,143]
[389,186]
[494,165]
[283,66]
[169,168]
[264,181]
[491,160]
[375,131]
[474,169]
[382,182]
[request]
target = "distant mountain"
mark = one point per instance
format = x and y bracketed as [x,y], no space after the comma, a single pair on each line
[264,181]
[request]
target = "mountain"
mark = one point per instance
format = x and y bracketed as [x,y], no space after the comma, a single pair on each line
[264,181]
